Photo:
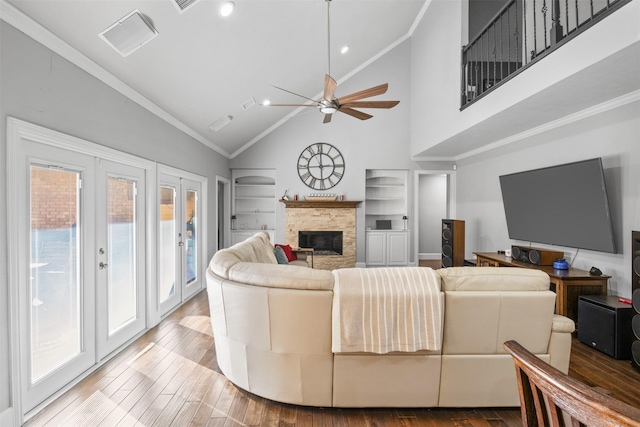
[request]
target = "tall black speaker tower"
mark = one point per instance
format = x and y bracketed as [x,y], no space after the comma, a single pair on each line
[635,287]
[452,243]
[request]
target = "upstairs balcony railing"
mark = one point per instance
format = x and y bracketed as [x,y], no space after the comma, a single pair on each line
[522,33]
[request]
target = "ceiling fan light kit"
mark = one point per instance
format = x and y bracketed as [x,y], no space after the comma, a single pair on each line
[329,104]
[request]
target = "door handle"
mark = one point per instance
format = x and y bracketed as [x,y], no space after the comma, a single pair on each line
[102,265]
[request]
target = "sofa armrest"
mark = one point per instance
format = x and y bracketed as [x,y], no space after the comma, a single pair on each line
[560,342]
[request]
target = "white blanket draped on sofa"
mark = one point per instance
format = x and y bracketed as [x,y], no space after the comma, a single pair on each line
[381,310]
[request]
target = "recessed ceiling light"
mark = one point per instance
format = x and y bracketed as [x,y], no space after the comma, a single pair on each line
[227,8]
[344,49]
[266,102]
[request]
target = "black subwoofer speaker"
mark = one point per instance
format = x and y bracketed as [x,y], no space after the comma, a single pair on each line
[604,323]
[635,287]
[452,243]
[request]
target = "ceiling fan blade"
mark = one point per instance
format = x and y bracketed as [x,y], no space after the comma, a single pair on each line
[327,118]
[329,87]
[289,105]
[355,113]
[296,94]
[371,104]
[372,91]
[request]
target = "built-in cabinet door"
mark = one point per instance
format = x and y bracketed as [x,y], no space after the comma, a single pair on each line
[387,248]
[120,254]
[376,248]
[397,248]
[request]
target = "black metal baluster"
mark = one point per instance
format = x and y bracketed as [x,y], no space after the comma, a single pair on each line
[501,55]
[566,14]
[544,22]
[516,36]
[524,14]
[494,53]
[535,31]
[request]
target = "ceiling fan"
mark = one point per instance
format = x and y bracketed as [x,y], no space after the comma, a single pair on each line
[347,104]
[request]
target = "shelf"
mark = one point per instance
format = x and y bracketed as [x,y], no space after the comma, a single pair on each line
[318,204]
[254,212]
[384,199]
[254,197]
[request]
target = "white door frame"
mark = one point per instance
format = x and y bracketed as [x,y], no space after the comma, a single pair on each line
[226,215]
[451,183]
[17,132]
[164,170]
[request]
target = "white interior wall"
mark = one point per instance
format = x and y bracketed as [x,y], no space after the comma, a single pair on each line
[381,142]
[613,136]
[432,190]
[40,87]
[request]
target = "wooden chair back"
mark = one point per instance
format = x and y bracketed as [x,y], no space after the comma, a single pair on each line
[548,397]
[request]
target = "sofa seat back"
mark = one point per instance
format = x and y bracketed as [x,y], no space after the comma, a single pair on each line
[484,307]
[256,248]
[487,306]
[274,342]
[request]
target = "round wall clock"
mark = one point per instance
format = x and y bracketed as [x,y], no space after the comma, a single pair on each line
[320,166]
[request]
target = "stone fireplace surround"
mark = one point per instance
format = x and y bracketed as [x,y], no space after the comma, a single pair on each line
[324,216]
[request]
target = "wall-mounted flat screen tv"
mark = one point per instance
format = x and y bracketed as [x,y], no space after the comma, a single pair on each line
[563,205]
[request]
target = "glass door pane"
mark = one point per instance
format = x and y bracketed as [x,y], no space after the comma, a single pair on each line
[56,290]
[121,252]
[191,237]
[168,243]
[122,277]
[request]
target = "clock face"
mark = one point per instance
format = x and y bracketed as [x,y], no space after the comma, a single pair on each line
[320,166]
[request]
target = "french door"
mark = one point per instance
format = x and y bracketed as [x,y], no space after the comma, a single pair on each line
[80,264]
[56,291]
[120,254]
[180,237]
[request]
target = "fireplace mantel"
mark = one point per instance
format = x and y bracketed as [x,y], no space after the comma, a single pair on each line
[316,204]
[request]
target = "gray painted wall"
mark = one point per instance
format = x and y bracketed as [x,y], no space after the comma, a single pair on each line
[432,209]
[613,136]
[38,86]
[381,142]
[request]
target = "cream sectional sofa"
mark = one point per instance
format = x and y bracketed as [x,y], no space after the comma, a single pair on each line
[272,327]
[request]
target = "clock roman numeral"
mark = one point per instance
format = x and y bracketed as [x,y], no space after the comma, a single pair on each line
[306,176]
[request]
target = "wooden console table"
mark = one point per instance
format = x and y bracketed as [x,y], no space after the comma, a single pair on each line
[569,284]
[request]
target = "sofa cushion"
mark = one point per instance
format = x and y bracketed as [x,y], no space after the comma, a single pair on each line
[493,279]
[288,251]
[280,255]
[281,276]
[256,248]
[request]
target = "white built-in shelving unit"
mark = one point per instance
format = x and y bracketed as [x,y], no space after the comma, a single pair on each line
[253,206]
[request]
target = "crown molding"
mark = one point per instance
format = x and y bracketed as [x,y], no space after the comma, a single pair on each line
[603,107]
[22,22]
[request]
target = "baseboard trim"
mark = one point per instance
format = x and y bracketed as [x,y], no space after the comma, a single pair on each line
[7,419]
[430,255]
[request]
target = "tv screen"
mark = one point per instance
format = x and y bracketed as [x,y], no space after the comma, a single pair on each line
[563,205]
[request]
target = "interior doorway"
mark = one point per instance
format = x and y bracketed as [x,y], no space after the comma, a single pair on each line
[434,196]
[223,212]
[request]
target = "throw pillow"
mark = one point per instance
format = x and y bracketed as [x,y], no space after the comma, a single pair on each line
[288,252]
[280,255]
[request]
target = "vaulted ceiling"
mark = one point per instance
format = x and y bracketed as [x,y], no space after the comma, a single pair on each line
[202,67]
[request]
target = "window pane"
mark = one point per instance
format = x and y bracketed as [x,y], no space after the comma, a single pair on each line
[192,263]
[55,292]
[167,242]
[121,260]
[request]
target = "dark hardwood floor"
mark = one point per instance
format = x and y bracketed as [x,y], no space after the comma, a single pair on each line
[169,377]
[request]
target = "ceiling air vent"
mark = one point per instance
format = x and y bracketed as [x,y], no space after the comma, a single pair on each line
[249,103]
[183,5]
[220,123]
[129,33]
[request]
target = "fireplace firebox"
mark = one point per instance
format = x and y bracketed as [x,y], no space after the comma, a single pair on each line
[322,242]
